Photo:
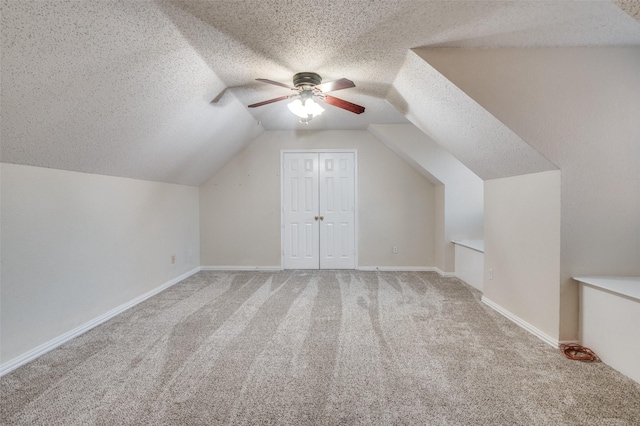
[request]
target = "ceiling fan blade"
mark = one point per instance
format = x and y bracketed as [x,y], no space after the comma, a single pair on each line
[270,101]
[340,84]
[264,80]
[341,103]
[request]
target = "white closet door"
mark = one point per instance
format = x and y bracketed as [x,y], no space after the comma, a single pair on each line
[300,209]
[337,210]
[319,210]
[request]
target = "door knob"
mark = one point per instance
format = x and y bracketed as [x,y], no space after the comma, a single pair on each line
[315,217]
[321,217]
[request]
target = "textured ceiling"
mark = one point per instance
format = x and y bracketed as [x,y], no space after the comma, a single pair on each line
[632,7]
[125,88]
[367,41]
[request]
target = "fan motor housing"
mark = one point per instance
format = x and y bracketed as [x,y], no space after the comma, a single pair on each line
[306,79]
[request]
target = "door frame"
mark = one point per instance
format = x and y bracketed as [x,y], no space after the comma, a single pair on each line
[355,195]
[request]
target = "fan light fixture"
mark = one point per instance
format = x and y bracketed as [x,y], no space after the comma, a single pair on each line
[308,86]
[305,107]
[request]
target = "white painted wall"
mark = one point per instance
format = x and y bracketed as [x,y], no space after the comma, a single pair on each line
[579,107]
[440,234]
[75,246]
[240,204]
[522,248]
[609,318]
[470,262]
[463,190]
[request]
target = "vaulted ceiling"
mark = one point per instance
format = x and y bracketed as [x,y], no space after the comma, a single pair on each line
[158,90]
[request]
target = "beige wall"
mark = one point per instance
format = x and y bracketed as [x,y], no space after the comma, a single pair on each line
[522,247]
[76,245]
[579,107]
[440,233]
[463,190]
[240,204]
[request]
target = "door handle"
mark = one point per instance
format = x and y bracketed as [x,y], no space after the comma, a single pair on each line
[315,217]
[321,217]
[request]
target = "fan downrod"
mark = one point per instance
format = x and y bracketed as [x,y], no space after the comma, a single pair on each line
[306,79]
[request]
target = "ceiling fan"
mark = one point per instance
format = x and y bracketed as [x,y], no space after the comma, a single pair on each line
[309,88]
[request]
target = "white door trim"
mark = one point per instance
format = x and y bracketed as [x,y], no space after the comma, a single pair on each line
[318,151]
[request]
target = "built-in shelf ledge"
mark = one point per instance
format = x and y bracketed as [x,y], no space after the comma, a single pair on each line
[609,318]
[477,245]
[623,286]
[469,262]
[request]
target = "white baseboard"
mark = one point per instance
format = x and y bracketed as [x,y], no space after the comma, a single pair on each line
[522,323]
[54,343]
[397,268]
[445,274]
[359,268]
[241,268]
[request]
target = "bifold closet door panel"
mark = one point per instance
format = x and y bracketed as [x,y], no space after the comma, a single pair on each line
[300,209]
[337,210]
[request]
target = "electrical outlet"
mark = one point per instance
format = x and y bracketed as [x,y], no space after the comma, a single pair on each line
[490,273]
[173,259]
[394,249]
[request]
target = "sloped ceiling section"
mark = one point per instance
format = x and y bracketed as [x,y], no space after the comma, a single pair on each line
[112,89]
[424,154]
[463,127]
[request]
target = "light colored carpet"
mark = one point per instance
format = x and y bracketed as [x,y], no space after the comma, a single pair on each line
[323,347]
